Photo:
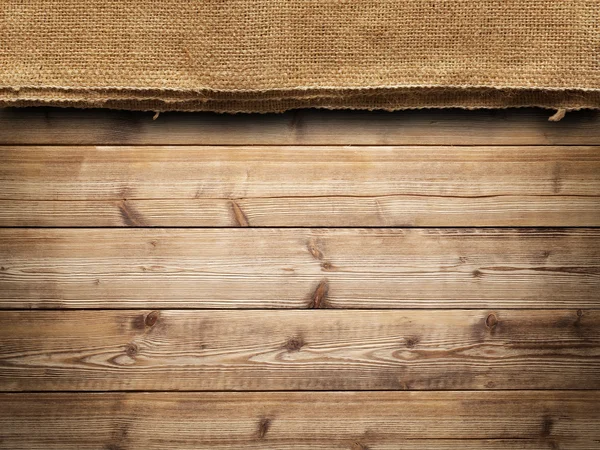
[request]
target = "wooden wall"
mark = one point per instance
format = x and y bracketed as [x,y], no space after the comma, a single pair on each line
[313,280]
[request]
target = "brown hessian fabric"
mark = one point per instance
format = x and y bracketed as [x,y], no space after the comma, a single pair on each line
[274,55]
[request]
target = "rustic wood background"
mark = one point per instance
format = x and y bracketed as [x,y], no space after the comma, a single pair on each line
[313,280]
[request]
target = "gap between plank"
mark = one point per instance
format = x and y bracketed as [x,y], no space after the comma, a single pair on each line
[240,392]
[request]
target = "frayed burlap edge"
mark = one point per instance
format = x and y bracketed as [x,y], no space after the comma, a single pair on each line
[389,99]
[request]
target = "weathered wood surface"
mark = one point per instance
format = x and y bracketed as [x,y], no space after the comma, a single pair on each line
[299,350]
[473,315]
[300,268]
[52,126]
[299,186]
[302,421]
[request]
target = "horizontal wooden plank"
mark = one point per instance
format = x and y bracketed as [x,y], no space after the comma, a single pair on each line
[300,268]
[52,126]
[299,186]
[299,350]
[302,421]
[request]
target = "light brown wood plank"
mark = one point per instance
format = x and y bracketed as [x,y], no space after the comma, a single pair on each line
[52,126]
[302,421]
[299,186]
[300,268]
[299,350]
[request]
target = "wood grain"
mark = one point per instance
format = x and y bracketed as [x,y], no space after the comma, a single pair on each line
[300,268]
[472,315]
[299,186]
[302,421]
[299,350]
[56,126]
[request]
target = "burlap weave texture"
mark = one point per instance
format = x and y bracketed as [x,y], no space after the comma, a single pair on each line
[272,55]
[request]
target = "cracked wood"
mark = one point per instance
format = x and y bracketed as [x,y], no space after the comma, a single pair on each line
[299,186]
[532,294]
[277,268]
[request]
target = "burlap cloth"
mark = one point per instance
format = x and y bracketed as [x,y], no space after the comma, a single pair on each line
[273,55]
